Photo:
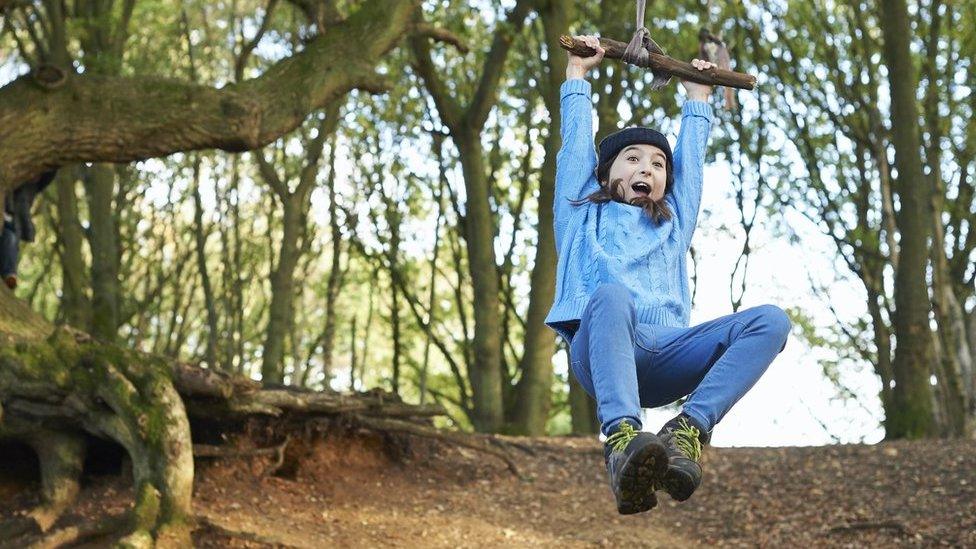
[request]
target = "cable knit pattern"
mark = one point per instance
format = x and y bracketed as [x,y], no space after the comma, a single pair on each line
[614,242]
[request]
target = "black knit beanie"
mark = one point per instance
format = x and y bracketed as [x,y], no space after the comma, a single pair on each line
[618,141]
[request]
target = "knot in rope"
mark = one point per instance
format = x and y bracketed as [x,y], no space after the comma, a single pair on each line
[636,52]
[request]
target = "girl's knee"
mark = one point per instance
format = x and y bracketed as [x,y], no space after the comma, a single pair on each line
[775,318]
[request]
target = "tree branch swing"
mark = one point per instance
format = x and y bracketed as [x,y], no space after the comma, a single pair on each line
[642,51]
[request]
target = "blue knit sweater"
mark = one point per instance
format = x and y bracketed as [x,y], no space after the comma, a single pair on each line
[615,242]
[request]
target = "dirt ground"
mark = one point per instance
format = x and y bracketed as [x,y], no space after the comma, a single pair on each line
[370,491]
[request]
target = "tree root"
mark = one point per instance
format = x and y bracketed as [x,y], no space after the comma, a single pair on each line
[58,383]
[240,534]
[80,533]
[881,525]
[278,451]
[61,456]
[64,384]
[245,401]
[467,441]
[16,528]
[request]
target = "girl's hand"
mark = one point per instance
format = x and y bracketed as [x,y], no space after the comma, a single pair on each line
[577,67]
[696,91]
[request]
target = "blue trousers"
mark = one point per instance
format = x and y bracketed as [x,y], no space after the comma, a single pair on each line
[9,250]
[627,366]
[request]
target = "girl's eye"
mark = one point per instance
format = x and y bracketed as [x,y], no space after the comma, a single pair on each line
[658,165]
[631,158]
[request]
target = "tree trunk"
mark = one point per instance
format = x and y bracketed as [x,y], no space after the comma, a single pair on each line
[912,393]
[486,377]
[582,409]
[466,122]
[103,241]
[882,341]
[281,312]
[232,355]
[75,305]
[533,393]
[955,359]
[295,207]
[336,279]
[200,236]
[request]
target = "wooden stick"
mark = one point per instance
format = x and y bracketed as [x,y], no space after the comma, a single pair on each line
[662,63]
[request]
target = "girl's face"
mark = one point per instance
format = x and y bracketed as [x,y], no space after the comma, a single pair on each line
[642,171]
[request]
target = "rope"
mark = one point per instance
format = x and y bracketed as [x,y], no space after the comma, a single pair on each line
[636,52]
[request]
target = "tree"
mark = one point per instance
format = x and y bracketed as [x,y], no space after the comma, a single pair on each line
[466,122]
[911,413]
[56,382]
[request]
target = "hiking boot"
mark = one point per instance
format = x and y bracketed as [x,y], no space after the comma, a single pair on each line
[637,461]
[683,440]
[10,281]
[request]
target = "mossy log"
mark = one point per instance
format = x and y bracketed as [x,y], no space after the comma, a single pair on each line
[56,384]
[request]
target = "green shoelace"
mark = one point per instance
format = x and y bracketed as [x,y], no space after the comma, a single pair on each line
[619,440]
[686,439]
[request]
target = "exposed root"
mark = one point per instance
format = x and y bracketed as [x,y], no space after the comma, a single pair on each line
[66,384]
[276,402]
[58,383]
[501,442]
[12,530]
[278,451]
[881,525]
[240,534]
[61,456]
[87,531]
[468,441]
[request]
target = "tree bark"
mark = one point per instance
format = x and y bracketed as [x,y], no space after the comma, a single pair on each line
[393,221]
[281,310]
[486,375]
[75,305]
[660,63]
[92,118]
[200,238]
[106,391]
[335,282]
[103,241]
[582,409]
[533,392]
[912,395]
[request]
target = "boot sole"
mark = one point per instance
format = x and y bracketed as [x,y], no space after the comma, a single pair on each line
[646,469]
[680,485]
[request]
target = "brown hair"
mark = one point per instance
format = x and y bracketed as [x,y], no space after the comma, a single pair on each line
[657,210]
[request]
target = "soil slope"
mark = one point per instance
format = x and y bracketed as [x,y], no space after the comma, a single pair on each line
[371,491]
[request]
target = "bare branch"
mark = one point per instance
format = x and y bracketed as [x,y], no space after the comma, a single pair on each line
[440,34]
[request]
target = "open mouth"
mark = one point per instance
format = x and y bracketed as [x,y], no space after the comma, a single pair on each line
[641,188]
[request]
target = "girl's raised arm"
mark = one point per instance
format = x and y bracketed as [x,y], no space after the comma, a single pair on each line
[689,153]
[576,160]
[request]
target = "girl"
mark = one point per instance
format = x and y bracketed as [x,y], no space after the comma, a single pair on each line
[623,225]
